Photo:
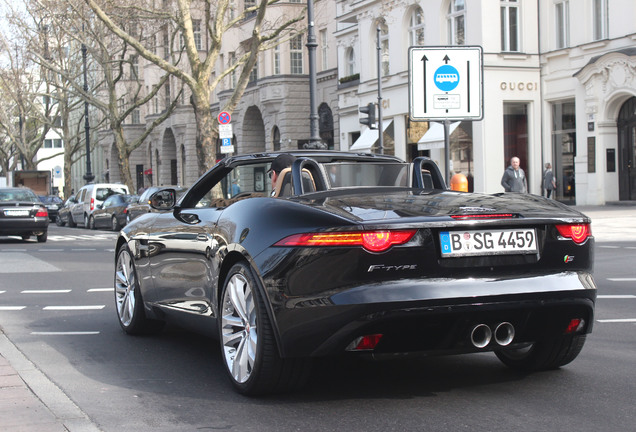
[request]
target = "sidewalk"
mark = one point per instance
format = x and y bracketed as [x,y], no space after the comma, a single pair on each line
[30,402]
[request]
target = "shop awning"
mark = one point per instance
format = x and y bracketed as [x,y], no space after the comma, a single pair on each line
[368,138]
[434,136]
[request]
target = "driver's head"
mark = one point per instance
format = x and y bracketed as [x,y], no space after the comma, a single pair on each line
[282,161]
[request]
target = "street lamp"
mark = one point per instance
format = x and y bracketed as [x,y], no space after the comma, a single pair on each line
[89,177]
[314,140]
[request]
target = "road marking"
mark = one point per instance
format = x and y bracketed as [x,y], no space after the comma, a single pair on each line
[2,292]
[24,263]
[45,291]
[100,289]
[75,333]
[51,250]
[624,320]
[609,247]
[622,279]
[96,307]
[11,308]
[83,250]
[621,296]
[14,250]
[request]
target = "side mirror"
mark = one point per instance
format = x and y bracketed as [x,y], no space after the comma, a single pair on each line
[163,200]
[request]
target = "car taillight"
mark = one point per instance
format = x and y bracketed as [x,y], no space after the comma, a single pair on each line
[92,203]
[42,212]
[577,232]
[373,241]
[484,216]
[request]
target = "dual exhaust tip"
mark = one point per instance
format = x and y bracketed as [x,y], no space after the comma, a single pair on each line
[481,335]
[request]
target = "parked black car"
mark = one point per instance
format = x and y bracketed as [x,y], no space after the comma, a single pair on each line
[357,254]
[23,214]
[52,204]
[112,212]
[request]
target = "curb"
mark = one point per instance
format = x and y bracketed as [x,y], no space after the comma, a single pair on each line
[30,401]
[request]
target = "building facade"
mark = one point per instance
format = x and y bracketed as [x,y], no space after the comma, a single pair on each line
[558,87]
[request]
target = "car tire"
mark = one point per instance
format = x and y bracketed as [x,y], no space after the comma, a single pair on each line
[59,221]
[543,355]
[248,344]
[114,223]
[91,222]
[42,237]
[128,300]
[71,222]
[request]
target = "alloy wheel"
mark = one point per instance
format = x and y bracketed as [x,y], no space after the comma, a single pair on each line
[239,328]
[125,283]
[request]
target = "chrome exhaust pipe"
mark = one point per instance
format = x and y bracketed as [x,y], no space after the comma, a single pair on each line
[504,333]
[480,335]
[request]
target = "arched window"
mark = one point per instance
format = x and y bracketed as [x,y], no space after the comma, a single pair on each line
[183,165]
[276,138]
[325,125]
[416,27]
[351,62]
[456,22]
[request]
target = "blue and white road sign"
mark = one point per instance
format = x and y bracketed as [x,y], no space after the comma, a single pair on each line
[226,145]
[446,83]
[446,78]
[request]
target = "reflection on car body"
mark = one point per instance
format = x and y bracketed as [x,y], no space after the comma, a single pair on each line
[359,254]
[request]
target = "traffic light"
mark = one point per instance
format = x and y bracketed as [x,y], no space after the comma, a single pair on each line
[369,120]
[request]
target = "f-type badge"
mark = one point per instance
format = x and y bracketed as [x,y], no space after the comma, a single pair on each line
[568,259]
[387,268]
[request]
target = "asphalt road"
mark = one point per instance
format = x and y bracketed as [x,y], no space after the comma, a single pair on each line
[174,381]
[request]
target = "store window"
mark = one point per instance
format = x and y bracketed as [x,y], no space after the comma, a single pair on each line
[564,150]
[516,138]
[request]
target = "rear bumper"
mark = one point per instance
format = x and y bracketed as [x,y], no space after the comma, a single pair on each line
[435,315]
[24,226]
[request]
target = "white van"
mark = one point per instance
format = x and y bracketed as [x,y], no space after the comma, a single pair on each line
[88,198]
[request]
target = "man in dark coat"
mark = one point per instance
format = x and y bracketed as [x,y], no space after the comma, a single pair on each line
[514,178]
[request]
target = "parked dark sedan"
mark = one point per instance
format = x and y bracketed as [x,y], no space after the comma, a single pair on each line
[23,214]
[64,211]
[52,204]
[360,254]
[112,213]
[142,206]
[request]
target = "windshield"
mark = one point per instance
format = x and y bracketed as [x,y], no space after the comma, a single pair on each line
[23,195]
[351,174]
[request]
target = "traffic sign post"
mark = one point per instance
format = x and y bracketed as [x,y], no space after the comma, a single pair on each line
[225,132]
[446,83]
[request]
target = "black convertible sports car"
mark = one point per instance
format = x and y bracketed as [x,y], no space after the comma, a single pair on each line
[356,253]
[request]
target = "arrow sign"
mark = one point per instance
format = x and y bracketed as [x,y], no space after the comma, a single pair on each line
[445,83]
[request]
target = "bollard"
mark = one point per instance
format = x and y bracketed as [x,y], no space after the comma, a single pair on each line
[459,182]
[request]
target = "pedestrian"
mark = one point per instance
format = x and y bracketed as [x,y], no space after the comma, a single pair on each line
[549,184]
[514,178]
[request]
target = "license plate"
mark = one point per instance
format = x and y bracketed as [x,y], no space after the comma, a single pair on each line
[488,242]
[16,212]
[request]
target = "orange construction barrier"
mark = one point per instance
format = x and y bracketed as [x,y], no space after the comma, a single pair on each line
[459,182]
